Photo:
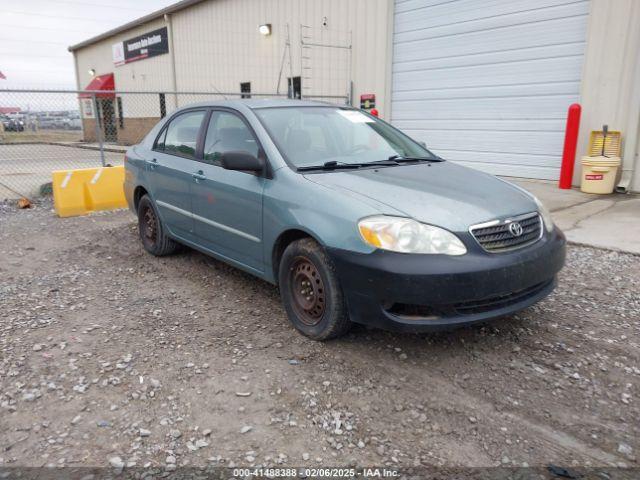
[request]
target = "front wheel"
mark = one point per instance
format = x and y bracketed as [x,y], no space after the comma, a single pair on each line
[311,292]
[152,234]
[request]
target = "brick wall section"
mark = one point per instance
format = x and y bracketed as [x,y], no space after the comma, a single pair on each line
[134,129]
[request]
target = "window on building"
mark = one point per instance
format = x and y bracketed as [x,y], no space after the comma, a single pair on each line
[294,87]
[245,90]
[163,106]
[181,135]
[227,133]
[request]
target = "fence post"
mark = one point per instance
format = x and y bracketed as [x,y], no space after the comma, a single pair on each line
[98,132]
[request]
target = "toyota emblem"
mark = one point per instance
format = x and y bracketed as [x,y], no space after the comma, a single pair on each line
[515,228]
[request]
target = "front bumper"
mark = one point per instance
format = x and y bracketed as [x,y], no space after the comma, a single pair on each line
[408,292]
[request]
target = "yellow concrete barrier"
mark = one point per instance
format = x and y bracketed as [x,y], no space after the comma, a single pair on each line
[84,190]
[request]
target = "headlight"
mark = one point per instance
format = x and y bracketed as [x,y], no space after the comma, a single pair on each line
[544,213]
[404,235]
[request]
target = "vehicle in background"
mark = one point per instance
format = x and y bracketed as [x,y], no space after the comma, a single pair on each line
[72,122]
[11,124]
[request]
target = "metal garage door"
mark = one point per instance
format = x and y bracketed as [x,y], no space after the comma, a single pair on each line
[487,83]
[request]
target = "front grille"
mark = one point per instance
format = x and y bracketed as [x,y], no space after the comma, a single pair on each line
[496,236]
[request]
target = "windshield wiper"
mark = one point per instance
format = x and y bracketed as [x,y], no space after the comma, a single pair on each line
[333,165]
[401,158]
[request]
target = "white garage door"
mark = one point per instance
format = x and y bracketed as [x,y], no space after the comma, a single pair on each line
[487,83]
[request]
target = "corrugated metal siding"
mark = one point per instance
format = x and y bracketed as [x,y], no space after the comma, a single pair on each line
[487,83]
[217,46]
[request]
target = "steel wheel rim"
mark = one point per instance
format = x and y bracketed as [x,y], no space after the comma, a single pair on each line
[150,230]
[307,291]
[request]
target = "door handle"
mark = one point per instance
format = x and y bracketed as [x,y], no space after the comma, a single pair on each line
[199,175]
[153,164]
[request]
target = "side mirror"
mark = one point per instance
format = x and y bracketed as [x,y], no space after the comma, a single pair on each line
[239,160]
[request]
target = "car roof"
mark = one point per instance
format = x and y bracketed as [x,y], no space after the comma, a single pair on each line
[256,103]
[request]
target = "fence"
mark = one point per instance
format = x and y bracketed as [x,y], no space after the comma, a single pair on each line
[46,130]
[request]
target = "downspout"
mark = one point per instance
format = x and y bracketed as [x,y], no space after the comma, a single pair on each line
[172,55]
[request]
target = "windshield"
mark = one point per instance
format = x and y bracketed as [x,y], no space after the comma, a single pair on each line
[310,136]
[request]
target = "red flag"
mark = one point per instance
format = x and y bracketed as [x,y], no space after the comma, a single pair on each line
[2,77]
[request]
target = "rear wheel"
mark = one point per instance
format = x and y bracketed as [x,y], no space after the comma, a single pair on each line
[311,292]
[152,233]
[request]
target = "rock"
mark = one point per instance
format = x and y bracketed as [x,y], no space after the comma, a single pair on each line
[402,356]
[360,444]
[37,347]
[76,419]
[625,449]
[144,432]
[206,432]
[243,394]
[201,443]
[175,433]
[294,362]
[155,383]
[246,429]
[305,456]
[117,463]
[473,419]
[170,459]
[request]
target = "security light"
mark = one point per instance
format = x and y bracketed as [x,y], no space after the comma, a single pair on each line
[265,29]
[92,71]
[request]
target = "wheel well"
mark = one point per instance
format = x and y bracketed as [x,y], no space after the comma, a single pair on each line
[283,241]
[137,195]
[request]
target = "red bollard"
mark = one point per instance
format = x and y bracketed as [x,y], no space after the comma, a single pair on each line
[570,143]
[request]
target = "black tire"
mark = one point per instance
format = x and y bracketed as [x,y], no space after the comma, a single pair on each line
[152,234]
[311,292]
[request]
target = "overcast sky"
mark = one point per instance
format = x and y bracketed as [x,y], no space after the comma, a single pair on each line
[35,34]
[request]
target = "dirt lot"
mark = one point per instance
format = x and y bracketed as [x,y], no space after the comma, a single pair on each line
[110,355]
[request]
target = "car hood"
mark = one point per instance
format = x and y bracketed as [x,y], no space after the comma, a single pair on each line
[443,194]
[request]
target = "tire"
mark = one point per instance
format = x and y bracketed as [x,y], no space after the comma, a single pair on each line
[152,233]
[311,292]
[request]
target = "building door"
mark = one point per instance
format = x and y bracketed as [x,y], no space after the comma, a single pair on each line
[488,84]
[108,119]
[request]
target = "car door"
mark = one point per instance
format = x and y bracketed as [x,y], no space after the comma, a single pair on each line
[171,169]
[227,205]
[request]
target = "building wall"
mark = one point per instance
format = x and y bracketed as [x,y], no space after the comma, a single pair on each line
[216,45]
[611,82]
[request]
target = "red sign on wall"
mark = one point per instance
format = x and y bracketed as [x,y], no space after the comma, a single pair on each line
[594,177]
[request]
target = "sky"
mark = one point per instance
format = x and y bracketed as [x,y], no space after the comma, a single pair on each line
[35,34]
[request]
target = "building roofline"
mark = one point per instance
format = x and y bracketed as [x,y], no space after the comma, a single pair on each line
[139,21]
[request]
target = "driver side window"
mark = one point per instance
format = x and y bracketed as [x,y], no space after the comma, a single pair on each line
[227,132]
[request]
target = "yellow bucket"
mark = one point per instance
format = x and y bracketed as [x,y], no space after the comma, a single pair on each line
[599,174]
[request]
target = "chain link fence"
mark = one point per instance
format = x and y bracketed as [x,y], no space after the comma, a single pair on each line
[46,130]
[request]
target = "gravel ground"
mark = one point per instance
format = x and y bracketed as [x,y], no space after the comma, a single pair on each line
[111,356]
